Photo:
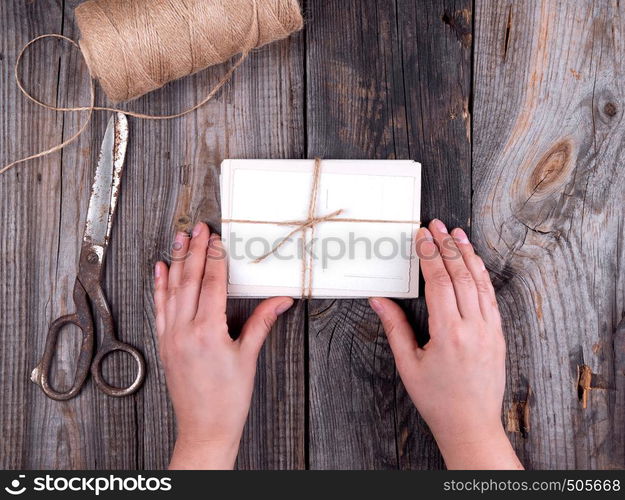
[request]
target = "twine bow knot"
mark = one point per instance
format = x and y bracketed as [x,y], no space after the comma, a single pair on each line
[311,221]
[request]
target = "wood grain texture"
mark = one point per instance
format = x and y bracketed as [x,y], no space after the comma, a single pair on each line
[385,80]
[540,188]
[171,180]
[38,223]
[265,120]
[548,217]
[22,196]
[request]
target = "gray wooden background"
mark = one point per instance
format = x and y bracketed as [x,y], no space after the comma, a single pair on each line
[515,109]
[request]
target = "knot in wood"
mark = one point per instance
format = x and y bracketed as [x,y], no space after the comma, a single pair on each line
[551,170]
[610,109]
[184,220]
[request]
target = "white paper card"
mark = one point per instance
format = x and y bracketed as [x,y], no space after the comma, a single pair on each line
[363,258]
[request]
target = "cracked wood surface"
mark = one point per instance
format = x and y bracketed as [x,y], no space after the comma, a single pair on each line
[379,94]
[514,108]
[549,183]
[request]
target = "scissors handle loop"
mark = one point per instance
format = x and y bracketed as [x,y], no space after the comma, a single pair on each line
[83,320]
[109,346]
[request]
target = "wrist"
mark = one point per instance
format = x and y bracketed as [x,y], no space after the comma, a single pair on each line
[194,453]
[486,447]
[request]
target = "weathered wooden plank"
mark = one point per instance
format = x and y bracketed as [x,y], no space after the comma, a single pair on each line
[38,253]
[94,430]
[171,180]
[385,80]
[258,114]
[20,316]
[264,118]
[548,212]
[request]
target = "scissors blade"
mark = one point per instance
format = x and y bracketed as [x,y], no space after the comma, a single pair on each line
[105,190]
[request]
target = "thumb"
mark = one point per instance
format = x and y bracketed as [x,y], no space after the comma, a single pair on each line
[258,325]
[398,331]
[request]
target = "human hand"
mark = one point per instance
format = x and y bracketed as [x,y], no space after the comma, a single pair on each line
[457,379]
[209,375]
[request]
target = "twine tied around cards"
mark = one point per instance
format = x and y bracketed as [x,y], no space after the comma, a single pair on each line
[311,221]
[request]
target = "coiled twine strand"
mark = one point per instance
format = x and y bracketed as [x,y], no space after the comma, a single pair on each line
[132,47]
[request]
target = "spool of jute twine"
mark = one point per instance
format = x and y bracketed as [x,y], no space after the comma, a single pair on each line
[132,47]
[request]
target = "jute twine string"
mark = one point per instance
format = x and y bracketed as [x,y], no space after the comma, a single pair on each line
[311,221]
[134,47]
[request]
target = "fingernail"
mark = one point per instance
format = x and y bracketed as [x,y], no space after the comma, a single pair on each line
[157,271]
[440,226]
[284,306]
[179,241]
[197,229]
[460,236]
[427,235]
[376,305]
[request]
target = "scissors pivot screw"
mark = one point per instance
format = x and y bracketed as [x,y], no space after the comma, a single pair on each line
[93,258]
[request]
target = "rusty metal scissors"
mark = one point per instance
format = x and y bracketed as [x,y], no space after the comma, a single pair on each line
[87,287]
